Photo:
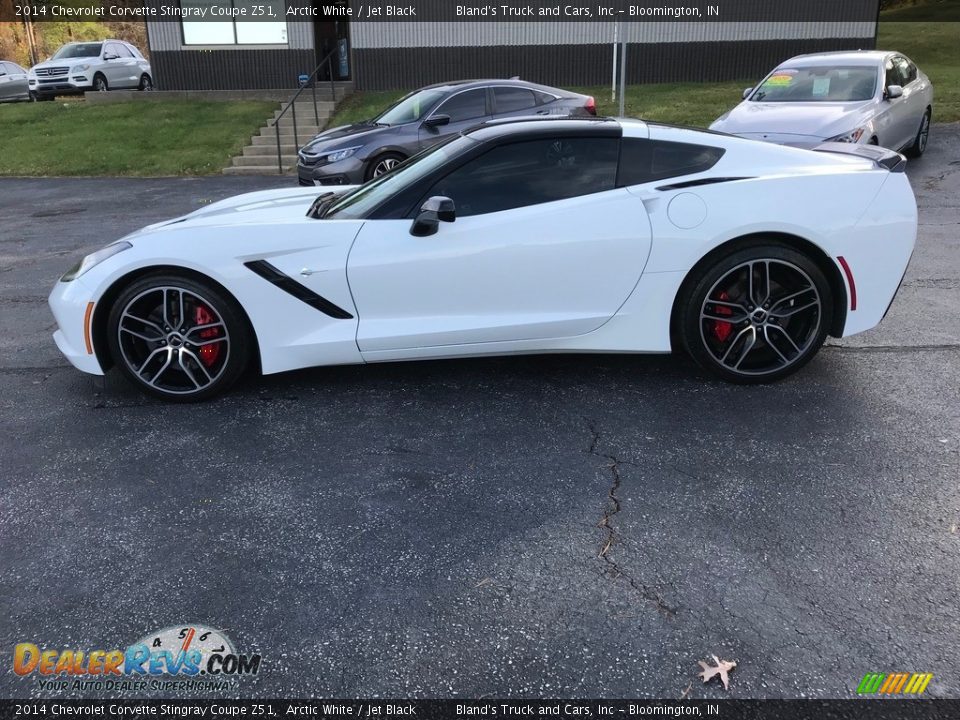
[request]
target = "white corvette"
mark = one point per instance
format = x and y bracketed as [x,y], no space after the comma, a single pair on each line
[528,236]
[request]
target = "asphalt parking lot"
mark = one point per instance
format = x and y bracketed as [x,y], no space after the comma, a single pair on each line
[557,526]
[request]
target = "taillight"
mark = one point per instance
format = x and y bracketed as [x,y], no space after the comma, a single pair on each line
[591,106]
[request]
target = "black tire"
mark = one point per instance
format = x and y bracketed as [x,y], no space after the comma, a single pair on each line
[32,96]
[146,83]
[182,348]
[100,83]
[920,141]
[382,163]
[768,337]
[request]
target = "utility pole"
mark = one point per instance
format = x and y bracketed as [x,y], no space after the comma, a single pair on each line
[31,42]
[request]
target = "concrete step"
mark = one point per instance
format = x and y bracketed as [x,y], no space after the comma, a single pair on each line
[323,108]
[270,151]
[256,170]
[302,127]
[263,160]
[286,134]
[270,140]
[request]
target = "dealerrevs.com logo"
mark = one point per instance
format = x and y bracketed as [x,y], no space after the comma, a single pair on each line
[184,657]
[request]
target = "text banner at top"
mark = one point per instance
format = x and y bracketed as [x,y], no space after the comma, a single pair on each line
[440,11]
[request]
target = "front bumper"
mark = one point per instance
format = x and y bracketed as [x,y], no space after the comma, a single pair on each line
[346,172]
[69,302]
[72,84]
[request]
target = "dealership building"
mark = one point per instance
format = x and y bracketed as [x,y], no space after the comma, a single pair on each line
[382,54]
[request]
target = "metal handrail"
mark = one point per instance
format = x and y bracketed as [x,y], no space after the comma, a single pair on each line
[312,82]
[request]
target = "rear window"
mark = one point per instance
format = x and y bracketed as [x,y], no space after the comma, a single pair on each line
[643,161]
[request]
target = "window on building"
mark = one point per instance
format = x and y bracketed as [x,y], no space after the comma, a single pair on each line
[530,173]
[247,30]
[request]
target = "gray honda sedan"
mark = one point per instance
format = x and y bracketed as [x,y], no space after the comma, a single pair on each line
[352,154]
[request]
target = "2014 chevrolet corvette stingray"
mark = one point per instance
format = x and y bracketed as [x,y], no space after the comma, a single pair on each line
[525,236]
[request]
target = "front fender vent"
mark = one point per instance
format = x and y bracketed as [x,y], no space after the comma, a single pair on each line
[286,283]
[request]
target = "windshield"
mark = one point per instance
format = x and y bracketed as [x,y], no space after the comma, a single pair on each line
[818,84]
[358,203]
[79,50]
[411,108]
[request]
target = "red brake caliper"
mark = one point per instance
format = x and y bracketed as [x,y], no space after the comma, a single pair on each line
[721,329]
[208,353]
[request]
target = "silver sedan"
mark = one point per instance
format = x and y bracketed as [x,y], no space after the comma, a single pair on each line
[871,97]
[13,82]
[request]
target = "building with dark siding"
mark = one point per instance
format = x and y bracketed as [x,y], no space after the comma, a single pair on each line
[383,55]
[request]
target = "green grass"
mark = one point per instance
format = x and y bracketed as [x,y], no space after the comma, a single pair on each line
[929,11]
[934,46]
[134,138]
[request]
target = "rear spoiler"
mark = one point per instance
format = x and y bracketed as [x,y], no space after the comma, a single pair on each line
[888,159]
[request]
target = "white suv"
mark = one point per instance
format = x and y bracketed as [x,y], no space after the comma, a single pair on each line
[81,66]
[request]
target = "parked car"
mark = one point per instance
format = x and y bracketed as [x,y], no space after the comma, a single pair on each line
[355,153]
[81,66]
[13,82]
[518,236]
[869,97]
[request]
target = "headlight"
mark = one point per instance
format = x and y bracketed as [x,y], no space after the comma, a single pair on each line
[850,137]
[94,259]
[341,154]
[85,66]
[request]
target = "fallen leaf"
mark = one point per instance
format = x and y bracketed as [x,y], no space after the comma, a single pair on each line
[485,581]
[722,668]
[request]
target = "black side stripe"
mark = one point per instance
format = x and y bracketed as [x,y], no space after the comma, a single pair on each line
[701,181]
[286,283]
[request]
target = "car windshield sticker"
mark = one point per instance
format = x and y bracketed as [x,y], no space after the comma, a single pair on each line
[821,87]
[782,77]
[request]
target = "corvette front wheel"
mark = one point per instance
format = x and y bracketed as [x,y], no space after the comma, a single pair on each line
[177,338]
[757,315]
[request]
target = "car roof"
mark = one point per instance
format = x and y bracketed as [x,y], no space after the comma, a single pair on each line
[845,57]
[535,124]
[94,42]
[466,84]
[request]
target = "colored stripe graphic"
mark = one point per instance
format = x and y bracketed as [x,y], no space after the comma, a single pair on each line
[894,683]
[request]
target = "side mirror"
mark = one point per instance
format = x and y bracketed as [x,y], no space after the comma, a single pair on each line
[746,93]
[434,211]
[110,57]
[437,120]
[894,91]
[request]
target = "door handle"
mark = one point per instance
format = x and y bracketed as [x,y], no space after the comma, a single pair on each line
[307,272]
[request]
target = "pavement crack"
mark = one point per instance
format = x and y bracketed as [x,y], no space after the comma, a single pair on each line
[612,568]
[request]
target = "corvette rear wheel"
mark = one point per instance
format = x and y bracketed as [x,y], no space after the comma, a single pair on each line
[758,315]
[178,339]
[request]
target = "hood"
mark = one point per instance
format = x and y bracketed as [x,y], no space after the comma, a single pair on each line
[347,136]
[264,207]
[66,62]
[816,119]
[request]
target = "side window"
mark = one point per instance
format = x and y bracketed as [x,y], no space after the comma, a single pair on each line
[543,98]
[464,106]
[513,99]
[893,75]
[122,50]
[906,69]
[643,161]
[531,172]
[4,68]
